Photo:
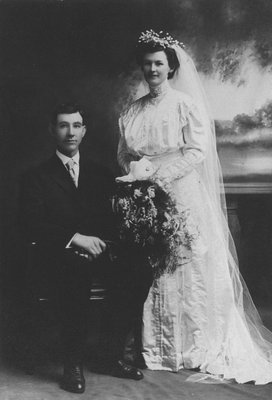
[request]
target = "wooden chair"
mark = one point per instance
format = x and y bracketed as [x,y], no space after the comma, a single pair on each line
[97,289]
[40,306]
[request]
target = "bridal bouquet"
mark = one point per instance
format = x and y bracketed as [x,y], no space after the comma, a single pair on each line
[150,223]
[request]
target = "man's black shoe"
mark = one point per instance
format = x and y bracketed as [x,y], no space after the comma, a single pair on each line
[139,362]
[123,370]
[73,379]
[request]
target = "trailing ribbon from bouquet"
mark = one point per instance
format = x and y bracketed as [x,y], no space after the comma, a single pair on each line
[148,220]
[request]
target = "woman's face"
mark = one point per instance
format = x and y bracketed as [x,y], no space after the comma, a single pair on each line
[155,68]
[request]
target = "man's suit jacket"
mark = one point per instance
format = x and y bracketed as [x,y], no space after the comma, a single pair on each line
[53,209]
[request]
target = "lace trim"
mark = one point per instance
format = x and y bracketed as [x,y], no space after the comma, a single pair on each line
[159,91]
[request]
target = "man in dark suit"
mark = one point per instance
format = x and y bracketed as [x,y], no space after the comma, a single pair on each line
[66,210]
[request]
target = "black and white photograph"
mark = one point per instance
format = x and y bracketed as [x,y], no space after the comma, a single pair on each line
[136,199]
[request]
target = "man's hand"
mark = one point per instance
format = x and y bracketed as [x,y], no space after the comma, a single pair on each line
[89,244]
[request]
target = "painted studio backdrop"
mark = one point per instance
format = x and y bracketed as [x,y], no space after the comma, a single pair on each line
[57,50]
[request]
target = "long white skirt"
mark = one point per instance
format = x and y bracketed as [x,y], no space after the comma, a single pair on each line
[191,318]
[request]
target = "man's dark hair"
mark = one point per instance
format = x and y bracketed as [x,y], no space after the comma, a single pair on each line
[67,108]
[144,48]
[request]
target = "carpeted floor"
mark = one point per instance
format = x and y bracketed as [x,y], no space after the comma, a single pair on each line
[15,384]
[158,385]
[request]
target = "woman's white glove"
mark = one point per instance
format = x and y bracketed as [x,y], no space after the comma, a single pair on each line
[139,171]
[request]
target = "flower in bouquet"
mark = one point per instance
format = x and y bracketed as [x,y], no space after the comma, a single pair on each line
[148,219]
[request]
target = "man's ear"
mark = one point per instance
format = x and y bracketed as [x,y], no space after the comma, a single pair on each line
[84,130]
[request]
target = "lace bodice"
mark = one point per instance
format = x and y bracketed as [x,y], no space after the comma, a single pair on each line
[161,123]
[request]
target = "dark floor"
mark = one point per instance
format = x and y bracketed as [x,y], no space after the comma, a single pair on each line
[15,384]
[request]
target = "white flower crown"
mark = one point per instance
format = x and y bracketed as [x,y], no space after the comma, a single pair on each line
[162,39]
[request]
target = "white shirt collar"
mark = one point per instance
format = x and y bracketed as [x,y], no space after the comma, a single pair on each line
[65,159]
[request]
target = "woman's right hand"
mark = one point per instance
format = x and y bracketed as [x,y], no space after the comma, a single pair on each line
[142,169]
[138,171]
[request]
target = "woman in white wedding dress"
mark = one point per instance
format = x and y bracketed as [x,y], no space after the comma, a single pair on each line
[201,315]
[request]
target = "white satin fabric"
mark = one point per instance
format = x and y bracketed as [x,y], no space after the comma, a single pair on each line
[189,321]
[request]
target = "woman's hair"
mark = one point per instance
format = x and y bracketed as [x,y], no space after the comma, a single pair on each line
[144,48]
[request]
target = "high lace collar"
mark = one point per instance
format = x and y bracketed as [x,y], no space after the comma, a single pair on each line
[159,91]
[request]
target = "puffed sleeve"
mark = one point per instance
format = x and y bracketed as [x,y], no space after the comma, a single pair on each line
[193,151]
[123,155]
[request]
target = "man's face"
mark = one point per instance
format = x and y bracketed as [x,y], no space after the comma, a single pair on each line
[68,133]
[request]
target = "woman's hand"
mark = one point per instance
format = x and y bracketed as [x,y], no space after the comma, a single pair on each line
[138,171]
[142,169]
[162,179]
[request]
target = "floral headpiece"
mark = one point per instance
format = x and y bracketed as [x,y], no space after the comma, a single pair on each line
[162,39]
